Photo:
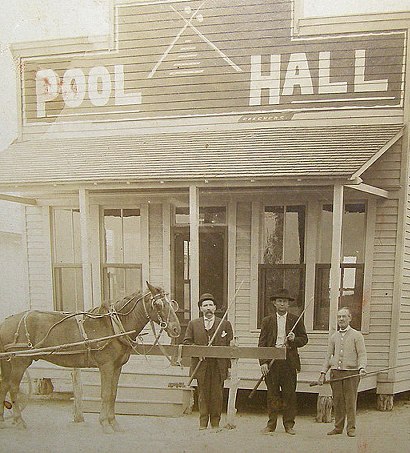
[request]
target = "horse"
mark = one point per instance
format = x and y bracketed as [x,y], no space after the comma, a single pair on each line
[49,335]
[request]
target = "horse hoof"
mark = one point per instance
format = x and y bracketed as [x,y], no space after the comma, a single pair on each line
[21,424]
[107,429]
[116,427]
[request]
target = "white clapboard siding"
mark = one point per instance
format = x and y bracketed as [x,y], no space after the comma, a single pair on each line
[39,258]
[403,352]
[155,244]
[242,268]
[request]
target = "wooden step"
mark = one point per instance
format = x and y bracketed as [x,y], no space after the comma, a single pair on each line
[149,379]
[140,393]
[143,407]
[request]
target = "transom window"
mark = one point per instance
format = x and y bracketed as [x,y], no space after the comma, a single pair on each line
[208,215]
[122,270]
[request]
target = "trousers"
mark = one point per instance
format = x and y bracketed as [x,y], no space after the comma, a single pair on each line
[281,384]
[210,394]
[344,398]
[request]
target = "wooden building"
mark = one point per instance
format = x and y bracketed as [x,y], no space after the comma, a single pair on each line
[216,145]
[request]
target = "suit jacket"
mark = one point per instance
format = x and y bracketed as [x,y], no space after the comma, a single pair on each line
[269,332]
[196,334]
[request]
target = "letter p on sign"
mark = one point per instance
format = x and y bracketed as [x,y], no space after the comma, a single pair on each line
[47,82]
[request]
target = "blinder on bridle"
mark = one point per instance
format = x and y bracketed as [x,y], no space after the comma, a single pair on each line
[158,303]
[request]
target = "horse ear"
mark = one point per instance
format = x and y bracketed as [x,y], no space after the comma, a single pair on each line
[152,289]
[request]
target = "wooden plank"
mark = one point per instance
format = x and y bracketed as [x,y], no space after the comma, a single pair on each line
[232,352]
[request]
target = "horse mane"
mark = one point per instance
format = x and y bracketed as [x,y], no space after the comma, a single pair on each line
[118,304]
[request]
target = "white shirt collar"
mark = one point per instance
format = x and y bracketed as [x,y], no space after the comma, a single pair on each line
[344,330]
[281,316]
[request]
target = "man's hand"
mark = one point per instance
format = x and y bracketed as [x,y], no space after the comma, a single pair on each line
[321,379]
[264,369]
[291,337]
[362,372]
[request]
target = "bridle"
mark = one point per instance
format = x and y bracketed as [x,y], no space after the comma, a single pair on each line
[157,304]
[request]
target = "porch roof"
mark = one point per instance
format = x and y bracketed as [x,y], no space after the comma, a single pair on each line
[281,152]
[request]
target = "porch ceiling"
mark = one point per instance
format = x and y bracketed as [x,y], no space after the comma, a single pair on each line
[287,152]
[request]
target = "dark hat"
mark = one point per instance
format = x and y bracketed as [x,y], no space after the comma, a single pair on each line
[206,296]
[281,294]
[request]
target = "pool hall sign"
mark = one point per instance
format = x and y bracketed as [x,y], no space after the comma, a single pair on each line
[211,58]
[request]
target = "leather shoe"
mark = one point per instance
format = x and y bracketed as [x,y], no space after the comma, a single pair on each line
[267,430]
[351,433]
[290,431]
[333,432]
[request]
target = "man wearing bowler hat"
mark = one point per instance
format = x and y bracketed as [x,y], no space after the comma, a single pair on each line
[212,372]
[282,330]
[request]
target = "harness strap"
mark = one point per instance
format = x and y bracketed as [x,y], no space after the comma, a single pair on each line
[80,322]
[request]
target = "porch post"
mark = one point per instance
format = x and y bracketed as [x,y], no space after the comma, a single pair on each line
[86,248]
[336,255]
[194,248]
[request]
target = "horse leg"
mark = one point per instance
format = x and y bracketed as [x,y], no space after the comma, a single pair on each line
[17,372]
[4,388]
[111,412]
[106,373]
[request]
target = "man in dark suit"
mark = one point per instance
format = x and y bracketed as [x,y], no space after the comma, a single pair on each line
[211,372]
[280,330]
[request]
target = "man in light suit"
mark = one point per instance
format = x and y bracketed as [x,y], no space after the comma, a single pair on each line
[281,330]
[212,371]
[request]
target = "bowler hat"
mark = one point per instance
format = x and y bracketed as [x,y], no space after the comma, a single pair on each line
[206,296]
[281,294]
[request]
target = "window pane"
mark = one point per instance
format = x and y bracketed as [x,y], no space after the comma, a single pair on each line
[325,240]
[274,222]
[354,232]
[212,215]
[113,236]
[182,215]
[63,236]
[272,279]
[322,298]
[132,237]
[120,282]
[68,284]
[351,294]
[294,242]
[77,236]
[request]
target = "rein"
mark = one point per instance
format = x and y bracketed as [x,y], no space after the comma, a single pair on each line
[113,313]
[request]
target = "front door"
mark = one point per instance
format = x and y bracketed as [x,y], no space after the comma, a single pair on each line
[212,268]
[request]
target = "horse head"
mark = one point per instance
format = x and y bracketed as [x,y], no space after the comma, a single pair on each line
[163,311]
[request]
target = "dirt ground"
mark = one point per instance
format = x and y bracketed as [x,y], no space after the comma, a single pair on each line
[51,430]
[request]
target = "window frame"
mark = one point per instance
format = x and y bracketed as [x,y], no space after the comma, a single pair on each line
[104,265]
[57,267]
[258,224]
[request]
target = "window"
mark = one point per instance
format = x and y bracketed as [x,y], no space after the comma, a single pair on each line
[122,253]
[283,256]
[209,215]
[67,269]
[351,268]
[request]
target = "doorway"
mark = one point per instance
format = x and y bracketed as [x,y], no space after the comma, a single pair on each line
[212,268]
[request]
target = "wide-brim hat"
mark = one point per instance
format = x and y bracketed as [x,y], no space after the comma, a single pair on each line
[206,296]
[281,294]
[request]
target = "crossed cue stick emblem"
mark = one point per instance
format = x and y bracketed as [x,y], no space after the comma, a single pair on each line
[188,23]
